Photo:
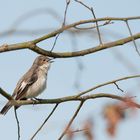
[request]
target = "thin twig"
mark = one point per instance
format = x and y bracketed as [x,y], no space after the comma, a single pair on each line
[71,120]
[130,32]
[118,87]
[55,40]
[18,125]
[44,122]
[94,26]
[65,13]
[54,33]
[93,13]
[107,83]
[63,24]
[77,130]
[97,26]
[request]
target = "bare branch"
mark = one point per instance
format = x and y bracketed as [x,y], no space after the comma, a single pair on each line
[86,51]
[130,32]
[118,87]
[55,40]
[93,13]
[63,24]
[107,83]
[97,26]
[94,26]
[44,122]
[5,94]
[17,46]
[65,13]
[71,121]
[77,130]
[77,97]
[18,125]
[52,34]
[30,45]
[71,98]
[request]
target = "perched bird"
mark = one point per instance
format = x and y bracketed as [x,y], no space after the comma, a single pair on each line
[32,83]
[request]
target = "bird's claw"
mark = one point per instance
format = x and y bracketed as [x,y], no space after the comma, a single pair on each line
[37,99]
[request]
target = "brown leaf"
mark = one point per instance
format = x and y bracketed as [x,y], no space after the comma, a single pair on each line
[88,128]
[113,114]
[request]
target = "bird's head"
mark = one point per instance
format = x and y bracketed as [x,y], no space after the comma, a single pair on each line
[43,62]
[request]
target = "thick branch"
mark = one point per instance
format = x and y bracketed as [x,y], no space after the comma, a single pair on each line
[5,94]
[68,54]
[60,100]
[13,47]
[8,96]
[71,98]
[32,44]
[87,51]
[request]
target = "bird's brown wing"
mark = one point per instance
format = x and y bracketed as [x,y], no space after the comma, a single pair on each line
[23,85]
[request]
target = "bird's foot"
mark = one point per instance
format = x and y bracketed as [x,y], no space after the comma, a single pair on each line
[38,99]
[33,100]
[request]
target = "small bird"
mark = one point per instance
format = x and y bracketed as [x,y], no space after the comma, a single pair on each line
[32,83]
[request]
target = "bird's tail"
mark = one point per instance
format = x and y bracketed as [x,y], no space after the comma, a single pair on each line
[5,108]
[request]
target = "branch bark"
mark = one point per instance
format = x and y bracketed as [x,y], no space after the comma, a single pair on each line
[72,98]
[32,44]
[35,48]
[76,97]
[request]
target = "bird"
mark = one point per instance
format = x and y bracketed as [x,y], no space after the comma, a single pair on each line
[32,83]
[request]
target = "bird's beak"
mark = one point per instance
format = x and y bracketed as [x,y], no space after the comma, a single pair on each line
[51,60]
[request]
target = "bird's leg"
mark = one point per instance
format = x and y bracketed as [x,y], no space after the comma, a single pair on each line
[34,100]
[37,99]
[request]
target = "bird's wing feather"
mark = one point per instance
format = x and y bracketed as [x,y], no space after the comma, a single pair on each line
[23,85]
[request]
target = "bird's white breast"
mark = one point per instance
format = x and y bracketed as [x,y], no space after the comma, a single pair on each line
[38,87]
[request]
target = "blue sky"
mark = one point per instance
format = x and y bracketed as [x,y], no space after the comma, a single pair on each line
[98,68]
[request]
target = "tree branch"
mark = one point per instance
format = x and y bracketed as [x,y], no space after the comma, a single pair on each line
[52,34]
[6,95]
[18,125]
[71,121]
[108,83]
[76,97]
[32,44]
[36,49]
[86,51]
[44,122]
[130,32]
[71,98]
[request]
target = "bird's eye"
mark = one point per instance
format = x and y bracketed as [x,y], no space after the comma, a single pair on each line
[44,59]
